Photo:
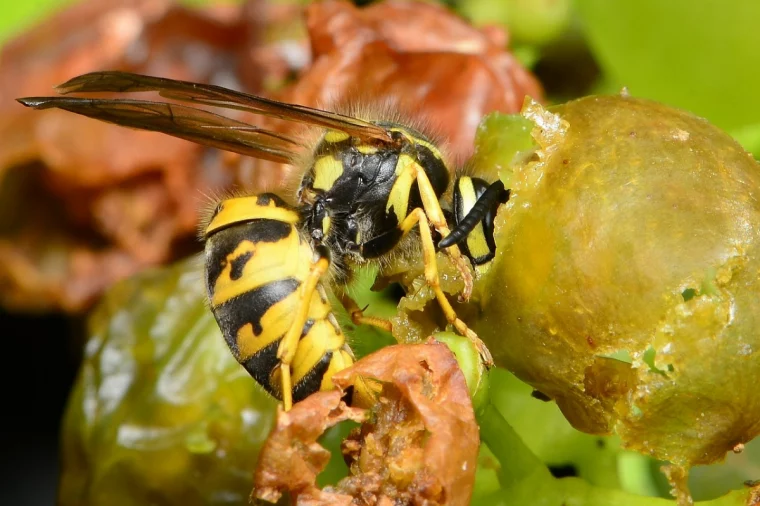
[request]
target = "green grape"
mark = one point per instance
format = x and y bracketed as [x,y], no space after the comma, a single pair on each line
[626,281]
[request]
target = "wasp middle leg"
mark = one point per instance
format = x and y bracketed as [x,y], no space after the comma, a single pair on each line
[358,317]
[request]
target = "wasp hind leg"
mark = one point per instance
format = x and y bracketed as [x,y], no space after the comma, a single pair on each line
[289,343]
[418,216]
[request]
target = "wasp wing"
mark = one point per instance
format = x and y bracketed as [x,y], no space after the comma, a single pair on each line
[190,123]
[208,94]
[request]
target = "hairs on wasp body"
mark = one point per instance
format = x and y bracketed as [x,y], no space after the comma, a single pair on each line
[368,186]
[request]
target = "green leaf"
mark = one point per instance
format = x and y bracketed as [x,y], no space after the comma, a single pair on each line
[15,17]
[534,22]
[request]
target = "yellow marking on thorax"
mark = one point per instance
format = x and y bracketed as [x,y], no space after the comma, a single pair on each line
[334,136]
[287,258]
[367,149]
[326,223]
[417,140]
[432,147]
[327,169]
[241,209]
[398,198]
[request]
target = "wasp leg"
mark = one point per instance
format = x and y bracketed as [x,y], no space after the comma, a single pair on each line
[358,318]
[418,216]
[482,211]
[287,348]
[435,216]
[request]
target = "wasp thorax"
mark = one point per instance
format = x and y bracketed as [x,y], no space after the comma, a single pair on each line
[357,192]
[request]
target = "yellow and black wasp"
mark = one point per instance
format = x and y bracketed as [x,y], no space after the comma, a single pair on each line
[367,185]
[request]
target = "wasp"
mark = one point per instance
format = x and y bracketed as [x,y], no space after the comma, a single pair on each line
[369,189]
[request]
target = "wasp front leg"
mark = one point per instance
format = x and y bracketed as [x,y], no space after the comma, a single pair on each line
[408,172]
[436,218]
[476,203]
[418,216]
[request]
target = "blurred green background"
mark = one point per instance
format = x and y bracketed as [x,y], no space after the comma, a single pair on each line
[701,56]
[698,55]
[16,16]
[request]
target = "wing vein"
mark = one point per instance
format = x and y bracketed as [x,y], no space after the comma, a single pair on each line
[189,123]
[208,94]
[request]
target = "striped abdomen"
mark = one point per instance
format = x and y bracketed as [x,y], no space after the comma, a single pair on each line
[256,263]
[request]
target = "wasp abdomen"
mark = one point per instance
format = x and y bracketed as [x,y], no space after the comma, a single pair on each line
[256,264]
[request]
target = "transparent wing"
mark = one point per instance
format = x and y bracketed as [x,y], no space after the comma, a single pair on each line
[190,123]
[116,81]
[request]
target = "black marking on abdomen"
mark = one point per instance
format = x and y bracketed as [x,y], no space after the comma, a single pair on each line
[261,365]
[306,328]
[263,199]
[238,264]
[312,381]
[250,307]
[221,244]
